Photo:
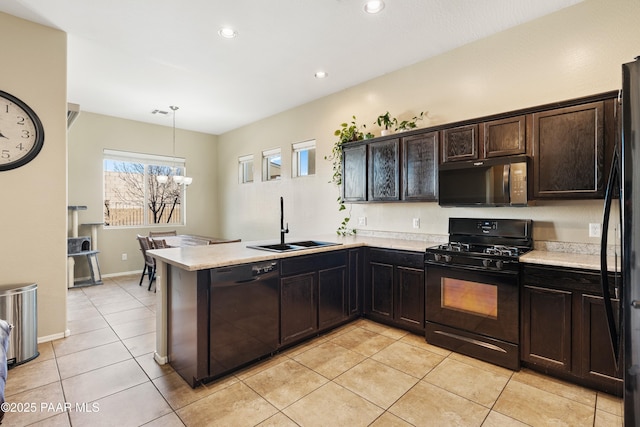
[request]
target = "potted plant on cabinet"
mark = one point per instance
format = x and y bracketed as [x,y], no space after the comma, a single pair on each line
[411,124]
[348,132]
[387,121]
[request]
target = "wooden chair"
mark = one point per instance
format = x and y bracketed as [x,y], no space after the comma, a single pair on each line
[149,262]
[153,234]
[159,243]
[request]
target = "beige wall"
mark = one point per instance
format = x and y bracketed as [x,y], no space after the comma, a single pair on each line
[34,197]
[572,53]
[90,135]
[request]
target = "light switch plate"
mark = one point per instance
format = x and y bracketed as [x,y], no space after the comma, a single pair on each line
[595,229]
[416,222]
[362,221]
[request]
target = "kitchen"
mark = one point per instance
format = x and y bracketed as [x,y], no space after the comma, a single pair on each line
[506,69]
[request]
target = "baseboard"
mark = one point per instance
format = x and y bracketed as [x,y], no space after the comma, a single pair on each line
[123,273]
[54,337]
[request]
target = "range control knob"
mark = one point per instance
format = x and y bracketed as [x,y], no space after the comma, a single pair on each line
[499,264]
[447,258]
[437,257]
[486,262]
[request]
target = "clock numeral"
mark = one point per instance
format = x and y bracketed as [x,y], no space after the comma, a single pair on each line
[20,147]
[26,134]
[5,154]
[20,120]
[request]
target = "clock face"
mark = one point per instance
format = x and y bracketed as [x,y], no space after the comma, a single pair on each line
[21,133]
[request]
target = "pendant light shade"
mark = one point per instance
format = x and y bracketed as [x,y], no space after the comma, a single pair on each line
[176,177]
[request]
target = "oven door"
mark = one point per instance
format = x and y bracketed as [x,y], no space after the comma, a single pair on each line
[474,300]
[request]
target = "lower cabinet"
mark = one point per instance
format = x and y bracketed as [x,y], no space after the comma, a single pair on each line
[564,327]
[395,294]
[313,294]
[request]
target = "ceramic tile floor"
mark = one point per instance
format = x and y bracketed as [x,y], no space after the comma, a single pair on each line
[361,374]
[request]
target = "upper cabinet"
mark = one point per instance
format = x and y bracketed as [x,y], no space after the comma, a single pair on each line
[460,143]
[384,170]
[569,145]
[504,137]
[420,167]
[570,150]
[354,173]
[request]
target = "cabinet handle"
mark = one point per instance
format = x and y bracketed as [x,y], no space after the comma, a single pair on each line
[635,303]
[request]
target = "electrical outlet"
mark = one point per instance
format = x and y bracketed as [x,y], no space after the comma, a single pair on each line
[594,229]
[362,221]
[124,257]
[416,222]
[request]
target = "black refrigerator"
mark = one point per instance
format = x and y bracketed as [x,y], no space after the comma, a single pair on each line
[624,180]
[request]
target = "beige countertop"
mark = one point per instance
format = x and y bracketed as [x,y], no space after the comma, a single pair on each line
[193,258]
[566,259]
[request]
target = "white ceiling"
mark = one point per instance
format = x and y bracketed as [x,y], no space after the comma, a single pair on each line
[129,57]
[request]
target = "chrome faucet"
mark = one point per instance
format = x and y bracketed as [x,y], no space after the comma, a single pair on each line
[283,229]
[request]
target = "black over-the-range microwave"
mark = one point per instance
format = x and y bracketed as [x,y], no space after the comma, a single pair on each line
[498,181]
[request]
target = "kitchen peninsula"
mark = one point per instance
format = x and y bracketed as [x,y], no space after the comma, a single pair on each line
[183,268]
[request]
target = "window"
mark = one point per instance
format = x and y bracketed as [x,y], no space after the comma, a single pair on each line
[304,158]
[271,165]
[132,195]
[245,169]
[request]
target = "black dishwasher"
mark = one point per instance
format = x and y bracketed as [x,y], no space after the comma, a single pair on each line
[244,315]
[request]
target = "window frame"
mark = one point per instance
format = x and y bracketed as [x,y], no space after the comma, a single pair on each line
[155,160]
[296,165]
[243,169]
[267,155]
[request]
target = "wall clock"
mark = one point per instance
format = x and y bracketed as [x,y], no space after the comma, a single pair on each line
[21,133]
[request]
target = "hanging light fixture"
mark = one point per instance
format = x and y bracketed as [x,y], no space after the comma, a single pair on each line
[177,178]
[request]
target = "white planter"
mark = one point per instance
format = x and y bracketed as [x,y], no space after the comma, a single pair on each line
[385,132]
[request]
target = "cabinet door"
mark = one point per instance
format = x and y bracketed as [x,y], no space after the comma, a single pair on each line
[354,173]
[384,170]
[460,143]
[598,362]
[298,308]
[420,167]
[569,152]
[546,328]
[381,276]
[331,297]
[504,137]
[409,307]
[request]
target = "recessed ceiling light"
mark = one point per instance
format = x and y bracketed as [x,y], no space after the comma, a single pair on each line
[227,33]
[321,75]
[373,6]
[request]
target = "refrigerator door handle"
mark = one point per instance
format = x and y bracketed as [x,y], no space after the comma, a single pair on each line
[613,326]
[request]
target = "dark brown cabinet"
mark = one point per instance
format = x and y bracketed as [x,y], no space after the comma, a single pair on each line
[355,281]
[564,328]
[420,167]
[354,173]
[313,294]
[395,294]
[460,143]
[569,150]
[384,170]
[505,137]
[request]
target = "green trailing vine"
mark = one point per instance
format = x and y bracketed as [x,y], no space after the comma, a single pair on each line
[348,132]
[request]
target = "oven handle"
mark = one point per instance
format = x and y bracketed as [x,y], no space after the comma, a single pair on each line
[471,268]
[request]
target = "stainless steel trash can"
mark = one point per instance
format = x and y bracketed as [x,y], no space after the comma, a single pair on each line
[19,307]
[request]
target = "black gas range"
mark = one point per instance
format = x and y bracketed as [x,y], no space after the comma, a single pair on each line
[473,288]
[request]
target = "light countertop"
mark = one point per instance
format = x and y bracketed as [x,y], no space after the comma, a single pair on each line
[566,259]
[193,258]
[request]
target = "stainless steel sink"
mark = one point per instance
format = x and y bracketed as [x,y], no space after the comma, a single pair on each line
[293,246]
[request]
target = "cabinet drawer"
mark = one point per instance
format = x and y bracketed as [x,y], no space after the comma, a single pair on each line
[587,281]
[397,257]
[315,262]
